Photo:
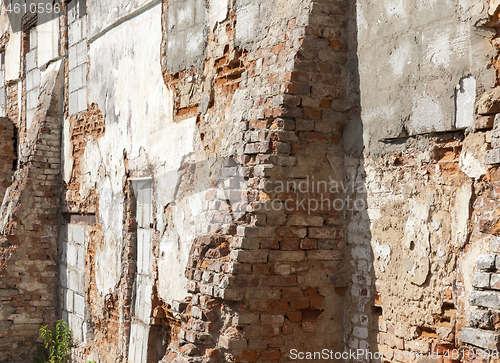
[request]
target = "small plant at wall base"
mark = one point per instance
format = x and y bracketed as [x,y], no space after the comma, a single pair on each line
[57,344]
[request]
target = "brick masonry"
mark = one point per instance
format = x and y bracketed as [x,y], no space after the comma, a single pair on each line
[300,242]
[29,231]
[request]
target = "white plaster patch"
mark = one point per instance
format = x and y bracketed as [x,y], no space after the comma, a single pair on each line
[194,41]
[48,37]
[396,8]
[439,50]
[108,265]
[13,47]
[471,166]
[427,115]
[382,254]
[246,23]
[399,58]
[460,215]
[442,45]
[218,12]
[472,156]
[465,97]
[91,162]
[416,242]
[360,17]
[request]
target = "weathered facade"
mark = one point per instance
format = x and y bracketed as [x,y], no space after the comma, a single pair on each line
[253,181]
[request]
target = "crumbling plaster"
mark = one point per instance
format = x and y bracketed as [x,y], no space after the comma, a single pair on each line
[415,55]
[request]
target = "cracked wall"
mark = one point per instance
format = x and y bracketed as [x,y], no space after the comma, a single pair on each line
[428,186]
[180,178]
[200,268]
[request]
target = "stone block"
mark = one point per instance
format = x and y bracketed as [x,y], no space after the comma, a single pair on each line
[232,342]
[73,103]
[481,280]
[68,300]
[33,38]
[179,306]
[82,99]
[32,99]
[495,281]
[324,255]
[79,305]
[72,55]
[481,338]
[484,122]
[63,275]
[75,323]
[325,232]
[492,157]
[495,133]
[420,346]
[487,299]
[73,11]
[486,262]
[81,53]
[72,255]
[75,80]
[495,244]
[245,243]
[76,280]
[144,251]
[247,24]
[77,234]
[75,32]
[36,78]
[480,318]
[31,60]
[489,102]
[81,258]
[29,81]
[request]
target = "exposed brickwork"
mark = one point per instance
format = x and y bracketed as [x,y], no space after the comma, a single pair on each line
[274,275]
[8,155]
[29,234]
[275,264]
[83,126]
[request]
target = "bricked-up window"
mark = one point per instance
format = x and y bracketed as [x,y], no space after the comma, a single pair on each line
[77,8]
[28,37]
[3,97]
[26,42]
[32,73]
[82,7]
[143,286]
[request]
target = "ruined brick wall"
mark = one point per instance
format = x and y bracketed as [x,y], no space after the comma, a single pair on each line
[30,225]
[266,270]
[241,180]
[429,190]
[9,154]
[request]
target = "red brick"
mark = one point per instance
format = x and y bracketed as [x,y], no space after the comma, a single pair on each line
[279,305]
[289,244]
[270,355]
[299,304]
[298,89]
[313,114]
[294,316]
